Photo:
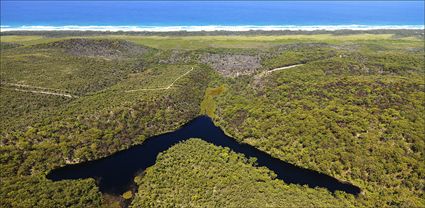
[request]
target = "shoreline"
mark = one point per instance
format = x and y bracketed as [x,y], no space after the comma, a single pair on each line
[210,28]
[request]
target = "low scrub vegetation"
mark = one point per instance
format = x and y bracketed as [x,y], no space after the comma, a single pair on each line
[352,109]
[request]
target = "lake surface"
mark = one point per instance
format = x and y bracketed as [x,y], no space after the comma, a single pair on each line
[57,14]
[115,173]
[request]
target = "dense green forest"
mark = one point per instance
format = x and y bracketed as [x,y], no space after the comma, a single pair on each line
[198,174]
[354,114]
[351,106]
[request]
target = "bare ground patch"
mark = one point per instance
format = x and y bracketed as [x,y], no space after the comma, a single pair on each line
[232,65]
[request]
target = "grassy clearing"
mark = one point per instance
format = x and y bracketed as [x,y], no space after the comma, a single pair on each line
[208,105]
[19,38]
[199,42]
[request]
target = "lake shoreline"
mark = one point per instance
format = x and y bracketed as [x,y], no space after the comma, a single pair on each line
[115,172]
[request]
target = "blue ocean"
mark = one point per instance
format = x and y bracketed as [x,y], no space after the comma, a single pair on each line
[187,14]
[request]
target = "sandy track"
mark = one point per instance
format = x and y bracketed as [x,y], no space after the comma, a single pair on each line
[162,88]
[43,92]
[30,86]
[48,91]
[285,67]
[37,90]
[51,91]
[262,74]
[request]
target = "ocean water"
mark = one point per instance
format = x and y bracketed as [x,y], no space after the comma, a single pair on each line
[212,15]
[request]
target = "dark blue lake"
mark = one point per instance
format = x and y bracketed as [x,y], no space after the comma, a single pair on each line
[115,173]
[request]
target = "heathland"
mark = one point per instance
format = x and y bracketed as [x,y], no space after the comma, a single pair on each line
[350,105]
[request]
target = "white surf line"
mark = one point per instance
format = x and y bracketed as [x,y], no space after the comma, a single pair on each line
[162,88]
[43,92]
